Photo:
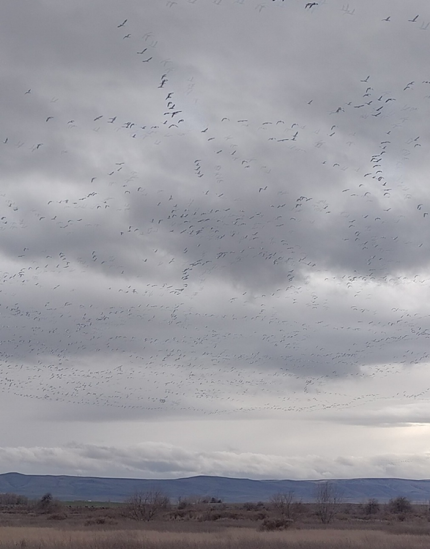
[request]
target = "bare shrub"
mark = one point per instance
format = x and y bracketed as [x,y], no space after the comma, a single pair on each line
[327,500]
[270,525]
[299,508]
[283,503]
[101,521]
[146,506]
[47,504]
[400,505]
[58,516]
[371,507]
[182,504]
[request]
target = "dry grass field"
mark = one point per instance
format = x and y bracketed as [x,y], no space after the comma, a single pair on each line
[224,538]
[212,526]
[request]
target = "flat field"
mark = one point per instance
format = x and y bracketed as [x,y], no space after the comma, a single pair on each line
[223,538]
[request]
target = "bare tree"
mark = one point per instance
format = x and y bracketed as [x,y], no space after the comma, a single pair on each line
[146,505]
[372,507]
[327,499]
[283,503]
[400,504]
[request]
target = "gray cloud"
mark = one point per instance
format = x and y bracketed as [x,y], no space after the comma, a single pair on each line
[163,461]
[215,211]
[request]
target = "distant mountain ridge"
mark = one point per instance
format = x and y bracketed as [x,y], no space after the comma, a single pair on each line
[238,490]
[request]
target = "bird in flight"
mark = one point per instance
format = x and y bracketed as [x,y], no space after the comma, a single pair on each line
[123,23]
[311,5]
[414,20]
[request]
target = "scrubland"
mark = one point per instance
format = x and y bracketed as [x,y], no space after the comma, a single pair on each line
[206,525]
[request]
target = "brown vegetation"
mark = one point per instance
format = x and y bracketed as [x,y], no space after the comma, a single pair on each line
[227,538]
[146,505]
[150,521]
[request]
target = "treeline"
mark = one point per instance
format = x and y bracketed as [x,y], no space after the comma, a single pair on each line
[46,504]
[13,499]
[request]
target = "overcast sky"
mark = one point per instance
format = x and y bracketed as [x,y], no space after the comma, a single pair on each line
[214,246]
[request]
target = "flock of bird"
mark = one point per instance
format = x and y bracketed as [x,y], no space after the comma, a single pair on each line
[209,283]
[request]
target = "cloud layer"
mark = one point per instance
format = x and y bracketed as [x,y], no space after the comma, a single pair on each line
[163,460]
[214,211]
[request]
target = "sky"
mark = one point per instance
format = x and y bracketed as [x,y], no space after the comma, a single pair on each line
[214,246]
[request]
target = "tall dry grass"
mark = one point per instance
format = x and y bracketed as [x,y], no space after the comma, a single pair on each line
[229,538]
